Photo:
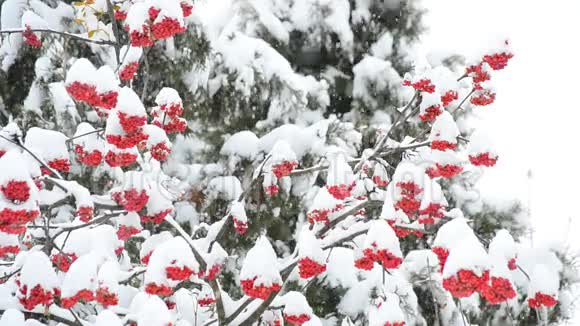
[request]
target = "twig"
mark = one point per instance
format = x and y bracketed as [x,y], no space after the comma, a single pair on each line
[115,26]
[132,276]
[5,278]
[19,144]
[386,136]
[342,216]
[146,74]
[85,134]
[97,220]
[203,265]
[238,311]
[65,34]
[459,108]
[75,316]
[242,196]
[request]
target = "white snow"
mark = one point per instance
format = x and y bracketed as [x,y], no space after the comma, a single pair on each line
[544,279]
[91,141]
[49,144]
[243,144]
[468,255]
[82,275]
[310,247]
[372,76]
[295,304]
[261,263]
[82,70]
[108,318]
[37,270]
[168,96]
[444,129]
[128,102]
[225,187]
[154,312]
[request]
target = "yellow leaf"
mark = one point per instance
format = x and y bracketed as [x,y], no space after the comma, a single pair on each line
[78,3]
[79,21]
[92,33]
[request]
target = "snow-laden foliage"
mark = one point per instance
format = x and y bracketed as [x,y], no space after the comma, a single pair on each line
[115,209]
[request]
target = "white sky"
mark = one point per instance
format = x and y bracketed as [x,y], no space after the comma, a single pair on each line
[536,117]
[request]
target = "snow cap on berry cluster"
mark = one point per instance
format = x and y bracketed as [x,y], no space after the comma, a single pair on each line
[280,152]
[444,129]
[83,71]
[151,243]
[381,236]
[432,194]
[309,246]
[87,137]
[106,80]
[243,144]
[82,275]
[173,253]
[108,318]
[545,280]
[138,17]
[49,144]
[128,225]
[296,307]
[158,143]
[323,206]
[481,149]
[503,246]
[131,55]
[470,255]
[168,97]
[13,167]
[153,312]
[36,271]
[339,171]
[108,277]
[238,213]
[389,212]
[430,107]
[408,172]
[104,241]
[130,104]
[452,233]
[387,313]
[261,264]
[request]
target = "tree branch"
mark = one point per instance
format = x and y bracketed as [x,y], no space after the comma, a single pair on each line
[39,160]
[146,76]
[97,220]
[384,138]
[65,34]
[52,317]
[342,216]
[117,45]
[85,134]
[203,265]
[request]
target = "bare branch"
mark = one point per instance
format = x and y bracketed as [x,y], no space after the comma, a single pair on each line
[65,34]
[86,134]
[117,45]
[19,143]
